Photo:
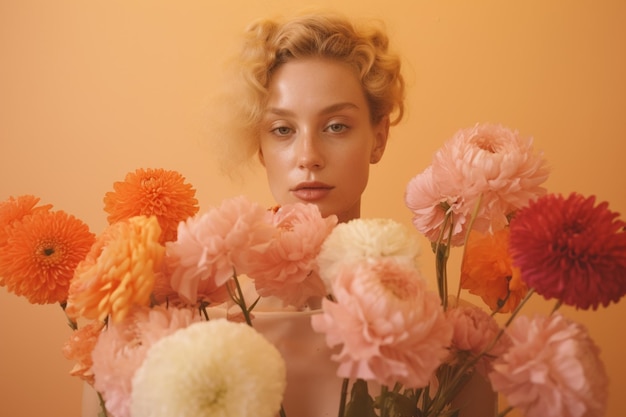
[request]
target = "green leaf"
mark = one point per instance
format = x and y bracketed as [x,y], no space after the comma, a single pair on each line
[361,404]
[402,405]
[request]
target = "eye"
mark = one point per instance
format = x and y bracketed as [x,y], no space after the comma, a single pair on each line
[336,127]
[281,130]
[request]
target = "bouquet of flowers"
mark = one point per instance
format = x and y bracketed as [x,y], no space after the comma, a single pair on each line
[164,302]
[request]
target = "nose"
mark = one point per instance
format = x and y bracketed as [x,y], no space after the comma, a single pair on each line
[309,152]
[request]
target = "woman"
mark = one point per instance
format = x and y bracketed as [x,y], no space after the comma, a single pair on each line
[315,98]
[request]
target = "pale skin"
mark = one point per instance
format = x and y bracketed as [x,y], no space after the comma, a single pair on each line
[317,137]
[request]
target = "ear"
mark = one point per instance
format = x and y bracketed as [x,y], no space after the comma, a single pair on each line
[261,158]
[381,133]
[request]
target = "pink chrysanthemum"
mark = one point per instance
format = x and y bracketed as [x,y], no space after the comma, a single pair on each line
[552,369]
[152,192]
[211,247]
[571,250]
[286,268]
[78,348]
[474,331]
[488,162]
[389,326]
[163,293]
[122,347]
[41,253]
[118,272]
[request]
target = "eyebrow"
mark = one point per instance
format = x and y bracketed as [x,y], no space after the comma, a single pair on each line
[327,110]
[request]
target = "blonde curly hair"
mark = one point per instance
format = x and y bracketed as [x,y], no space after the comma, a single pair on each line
[269,43]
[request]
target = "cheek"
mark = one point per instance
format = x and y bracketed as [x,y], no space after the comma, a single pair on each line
[357,159]
[275,165]
[273,158]
[276,169]
[354,171]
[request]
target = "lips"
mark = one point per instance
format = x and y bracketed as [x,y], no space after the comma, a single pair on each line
[311,191]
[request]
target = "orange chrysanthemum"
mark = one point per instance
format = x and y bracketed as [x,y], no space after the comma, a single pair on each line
[15,209]
[152,192]
[40,255]
[118,272]
[78,348]
[488,271]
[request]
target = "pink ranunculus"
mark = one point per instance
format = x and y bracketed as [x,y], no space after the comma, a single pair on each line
[286,268]
[552,369]
[122,347]
[423,197]
[488,162]
[389,326]
[78,348]
[474,331]
[571,249]
[211,247]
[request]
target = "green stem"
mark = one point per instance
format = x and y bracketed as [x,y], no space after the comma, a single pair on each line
[239,299]
[442,253]
[383,401]
[103,412]
[72,323]
[344,395]
[441,259]
[470,226]
[203,306]
[556,307]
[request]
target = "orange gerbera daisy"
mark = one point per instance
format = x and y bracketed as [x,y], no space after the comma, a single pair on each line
[118,272]
[488,271]
[41,252]
[149,192]
[15,208]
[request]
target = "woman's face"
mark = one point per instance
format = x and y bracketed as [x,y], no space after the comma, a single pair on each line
[317,138]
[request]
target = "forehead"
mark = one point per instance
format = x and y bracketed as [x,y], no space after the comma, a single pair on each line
[317,81]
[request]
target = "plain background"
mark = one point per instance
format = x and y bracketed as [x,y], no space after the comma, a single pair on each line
[90,90]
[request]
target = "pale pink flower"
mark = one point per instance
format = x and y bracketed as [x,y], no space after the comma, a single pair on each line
[552,369]
[163,293]
[286,268]
[389,326]
[424,198]
[361,239]
[487,161]
[122,347]
[206,292]
[211,247]
[474,331]
[78,348]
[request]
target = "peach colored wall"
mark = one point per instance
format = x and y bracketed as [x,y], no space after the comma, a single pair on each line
[90,90]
